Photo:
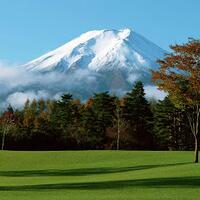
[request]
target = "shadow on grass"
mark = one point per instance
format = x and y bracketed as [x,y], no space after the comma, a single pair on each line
[81,171]
[174,182]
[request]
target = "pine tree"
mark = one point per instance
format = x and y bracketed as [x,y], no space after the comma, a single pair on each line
[104,109]
[138,115]
[63,119]
[92,133]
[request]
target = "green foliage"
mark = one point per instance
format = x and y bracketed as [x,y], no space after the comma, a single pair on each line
[104,107]
[170,126]
[138,114]
[64,118]
[92,133]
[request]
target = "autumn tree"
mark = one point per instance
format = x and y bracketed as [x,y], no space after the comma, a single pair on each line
[179,75]
[30,110]
[6,124]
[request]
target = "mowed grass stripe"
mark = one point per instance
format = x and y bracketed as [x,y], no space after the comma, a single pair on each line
[98,174]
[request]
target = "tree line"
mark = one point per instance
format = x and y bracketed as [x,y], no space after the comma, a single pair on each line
[102,122]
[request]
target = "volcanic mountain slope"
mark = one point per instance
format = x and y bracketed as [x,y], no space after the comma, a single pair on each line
[101,60]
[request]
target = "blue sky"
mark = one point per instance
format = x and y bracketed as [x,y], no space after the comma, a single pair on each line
[30,28]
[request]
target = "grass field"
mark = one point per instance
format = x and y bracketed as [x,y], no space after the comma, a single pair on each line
[105,175]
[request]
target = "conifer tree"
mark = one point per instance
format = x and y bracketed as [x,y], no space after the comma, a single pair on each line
[63,118]
[139,117]
[104,109]
[91,133]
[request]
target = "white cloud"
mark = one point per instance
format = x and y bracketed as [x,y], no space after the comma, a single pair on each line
[139,58]
[133,77]
[18,99]
[17,85]
[154,92]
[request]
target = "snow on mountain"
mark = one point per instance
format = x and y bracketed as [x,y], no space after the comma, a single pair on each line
[100,51]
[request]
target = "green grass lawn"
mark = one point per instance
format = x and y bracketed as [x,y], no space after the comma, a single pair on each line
[91,175]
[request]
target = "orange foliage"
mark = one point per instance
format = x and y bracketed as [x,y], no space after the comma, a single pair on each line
[179,73]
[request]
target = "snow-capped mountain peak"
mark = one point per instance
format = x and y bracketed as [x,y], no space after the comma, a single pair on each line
[101,50]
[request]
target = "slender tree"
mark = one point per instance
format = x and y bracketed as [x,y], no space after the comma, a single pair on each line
[119,123]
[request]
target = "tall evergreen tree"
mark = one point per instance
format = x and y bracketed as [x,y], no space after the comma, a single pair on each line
[104,108]
[91,132]
[138,114]
[63,119]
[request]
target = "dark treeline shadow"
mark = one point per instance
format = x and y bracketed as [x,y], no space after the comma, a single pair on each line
[173,182]
[82,171]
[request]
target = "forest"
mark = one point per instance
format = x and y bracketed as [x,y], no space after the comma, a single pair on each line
[104,121]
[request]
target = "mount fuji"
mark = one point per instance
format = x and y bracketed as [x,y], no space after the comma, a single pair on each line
[102,50]
[100,60]
[97,61]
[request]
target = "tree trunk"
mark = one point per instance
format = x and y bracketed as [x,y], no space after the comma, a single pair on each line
[196,151]
[3,141]
[118,138]
[194,125]
[118,127]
